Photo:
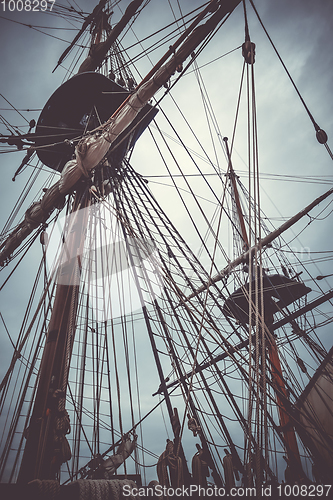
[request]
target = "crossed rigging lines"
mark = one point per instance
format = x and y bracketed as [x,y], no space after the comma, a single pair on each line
[122,194]
[131,191]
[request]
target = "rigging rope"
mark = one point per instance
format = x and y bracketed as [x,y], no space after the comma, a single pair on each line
[320,134]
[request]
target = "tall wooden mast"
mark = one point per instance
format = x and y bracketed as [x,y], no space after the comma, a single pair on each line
[292,452]
[46,447]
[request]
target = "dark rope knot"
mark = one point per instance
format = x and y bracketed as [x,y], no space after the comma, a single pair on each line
[249,51]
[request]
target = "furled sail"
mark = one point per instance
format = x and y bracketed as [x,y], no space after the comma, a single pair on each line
[315,407]
[110,465]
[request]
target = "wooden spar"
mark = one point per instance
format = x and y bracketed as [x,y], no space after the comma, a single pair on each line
[39,458]
[39,212]
[96,56]
[247,256]
[311,305]
[232,177]
[172,48]
[103,48]
[286,423]
[232,350]
[85,25]
[239,209]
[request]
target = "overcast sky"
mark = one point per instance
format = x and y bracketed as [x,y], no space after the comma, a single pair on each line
[302,31]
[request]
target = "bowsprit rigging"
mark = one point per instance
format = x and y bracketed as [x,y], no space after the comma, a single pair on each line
[189,299]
